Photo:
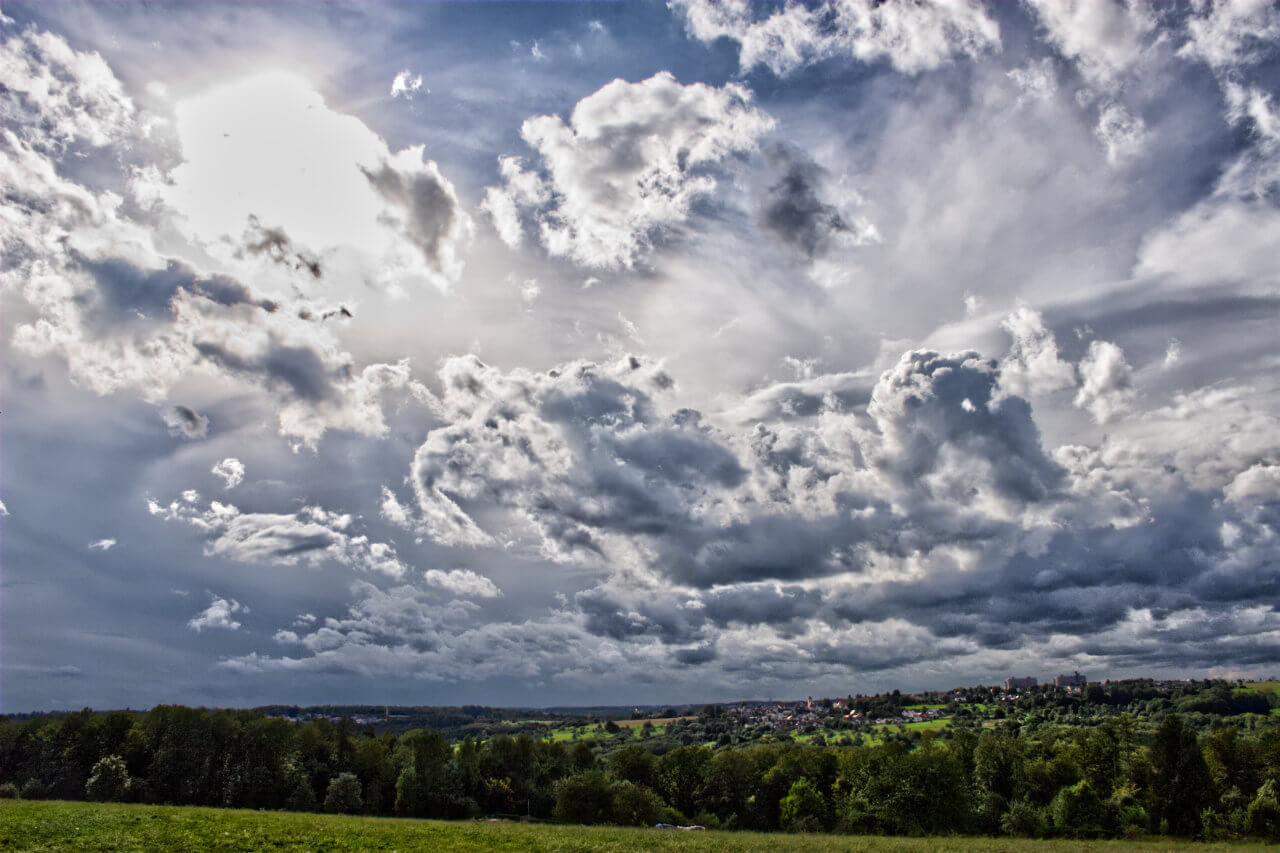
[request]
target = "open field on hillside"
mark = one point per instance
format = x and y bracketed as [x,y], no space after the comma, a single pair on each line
[44,826]
[1260,687]
[659,721]
[596,732]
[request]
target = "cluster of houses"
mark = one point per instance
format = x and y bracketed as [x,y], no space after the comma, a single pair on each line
[810,713]
[1075,680]
[906,715]
[779,716]
[358,719]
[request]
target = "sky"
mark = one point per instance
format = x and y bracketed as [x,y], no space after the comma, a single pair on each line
[541,354]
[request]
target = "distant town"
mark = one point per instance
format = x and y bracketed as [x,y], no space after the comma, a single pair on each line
[750,719]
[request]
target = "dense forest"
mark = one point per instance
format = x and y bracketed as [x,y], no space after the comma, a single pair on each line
[1184,766]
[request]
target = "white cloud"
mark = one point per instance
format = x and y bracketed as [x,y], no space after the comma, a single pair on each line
[4,510]
[1106,382]
[529,291]
[627,166]
[1033,364]
[1122,134]
[1261,483]
[102,545]
[62,94]
[406,85]
[312,535]
[463,582]
[409,632]
[231,470]
[218,615]
[1232,32]
[911,36]
[1104,37]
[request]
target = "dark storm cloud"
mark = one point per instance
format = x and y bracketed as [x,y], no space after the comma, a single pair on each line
[186,422]
[127,293]
[794,208]
[696,655]
[427,202]
[275,244]
[300,369]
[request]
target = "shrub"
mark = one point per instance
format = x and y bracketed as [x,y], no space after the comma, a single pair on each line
[1263,814]
[343,795]
[803,809]
[672,816]
[1132,820]
[584,797]
[8,791]
[303,798]
[635,805]
[1078,811]
[1216,825]
[1022,820]
[34,789]
[109,780]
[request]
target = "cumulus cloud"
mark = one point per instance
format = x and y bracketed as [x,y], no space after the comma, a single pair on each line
[185,421]
[411,633]
[218,615]
[920,520]
[1033,364]
[1121,133]
[1104,37]
[312,536]
[603,468]
[1258,483]
[572,451]
[1106,388]
[625,168]
[56,94]
[463,582]
[231,470]
[912,37]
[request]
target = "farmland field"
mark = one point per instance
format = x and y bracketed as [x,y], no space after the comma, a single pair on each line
[1259,687]
[46,826]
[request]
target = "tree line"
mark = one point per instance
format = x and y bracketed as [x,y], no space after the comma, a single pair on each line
[1123,777]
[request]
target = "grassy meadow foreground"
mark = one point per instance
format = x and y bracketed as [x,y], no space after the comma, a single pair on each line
[52,825]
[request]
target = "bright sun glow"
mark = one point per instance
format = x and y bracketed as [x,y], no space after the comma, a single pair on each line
[268,146]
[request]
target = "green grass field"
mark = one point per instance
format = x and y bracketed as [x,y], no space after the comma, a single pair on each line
[87,827]
[632,729]
[1259,687]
